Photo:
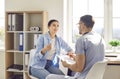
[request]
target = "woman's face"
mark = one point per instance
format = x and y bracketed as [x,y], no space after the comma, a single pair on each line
[53,28]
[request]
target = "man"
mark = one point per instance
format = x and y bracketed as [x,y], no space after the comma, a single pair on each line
[89,49]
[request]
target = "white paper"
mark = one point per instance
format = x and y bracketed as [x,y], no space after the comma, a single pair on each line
[66,58]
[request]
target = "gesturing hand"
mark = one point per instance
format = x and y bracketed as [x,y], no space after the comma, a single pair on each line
[64,63]
[71,54]
[46,48]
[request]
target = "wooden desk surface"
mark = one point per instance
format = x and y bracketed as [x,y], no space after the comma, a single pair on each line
[113,58]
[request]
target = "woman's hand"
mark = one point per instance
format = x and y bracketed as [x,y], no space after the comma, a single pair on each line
[46,48]
[64,63]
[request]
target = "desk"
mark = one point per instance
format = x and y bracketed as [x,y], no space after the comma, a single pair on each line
[113,68]
[113,58]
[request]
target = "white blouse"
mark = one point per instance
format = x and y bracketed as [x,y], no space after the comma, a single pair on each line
[52,51]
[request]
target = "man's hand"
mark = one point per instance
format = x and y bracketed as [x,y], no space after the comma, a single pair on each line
[71,54]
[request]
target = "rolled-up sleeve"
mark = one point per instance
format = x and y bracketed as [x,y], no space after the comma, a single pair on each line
[65,46]
[39,46]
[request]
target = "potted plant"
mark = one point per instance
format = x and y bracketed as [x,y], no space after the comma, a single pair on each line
[114,43]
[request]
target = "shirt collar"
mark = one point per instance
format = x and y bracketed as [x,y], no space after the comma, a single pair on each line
[48,35]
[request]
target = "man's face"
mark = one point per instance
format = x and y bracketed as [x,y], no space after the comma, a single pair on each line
[81,27]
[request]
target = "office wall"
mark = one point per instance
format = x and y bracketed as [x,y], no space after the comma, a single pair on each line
[2,64]
[53,7]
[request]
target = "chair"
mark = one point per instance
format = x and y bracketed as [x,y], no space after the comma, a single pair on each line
[32,52]
[97,70]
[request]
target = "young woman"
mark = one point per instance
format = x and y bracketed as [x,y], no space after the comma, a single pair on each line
[48,47]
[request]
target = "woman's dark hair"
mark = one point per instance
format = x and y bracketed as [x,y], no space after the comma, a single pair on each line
[87,20]
[52,20]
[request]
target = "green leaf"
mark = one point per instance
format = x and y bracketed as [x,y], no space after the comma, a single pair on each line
[114,42]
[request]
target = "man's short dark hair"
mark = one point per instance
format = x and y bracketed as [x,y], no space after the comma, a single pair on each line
[87,20]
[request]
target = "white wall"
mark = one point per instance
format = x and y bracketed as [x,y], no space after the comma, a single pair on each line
[53,7]
[2,64]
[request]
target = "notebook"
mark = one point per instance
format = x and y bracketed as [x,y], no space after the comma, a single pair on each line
[15,67]
[66,58]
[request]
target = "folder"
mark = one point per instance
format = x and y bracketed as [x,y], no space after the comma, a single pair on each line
[13,22]
[26,59]
[36,38]
[9,22]
[20,41]
[17,22]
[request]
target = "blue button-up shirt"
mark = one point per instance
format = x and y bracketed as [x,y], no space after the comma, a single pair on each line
[39,60]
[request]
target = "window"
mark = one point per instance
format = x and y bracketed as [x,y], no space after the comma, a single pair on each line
[105,13]
[82,7]
[2,33]
[116,19]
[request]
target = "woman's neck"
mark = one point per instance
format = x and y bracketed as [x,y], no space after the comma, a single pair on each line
[52,35]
